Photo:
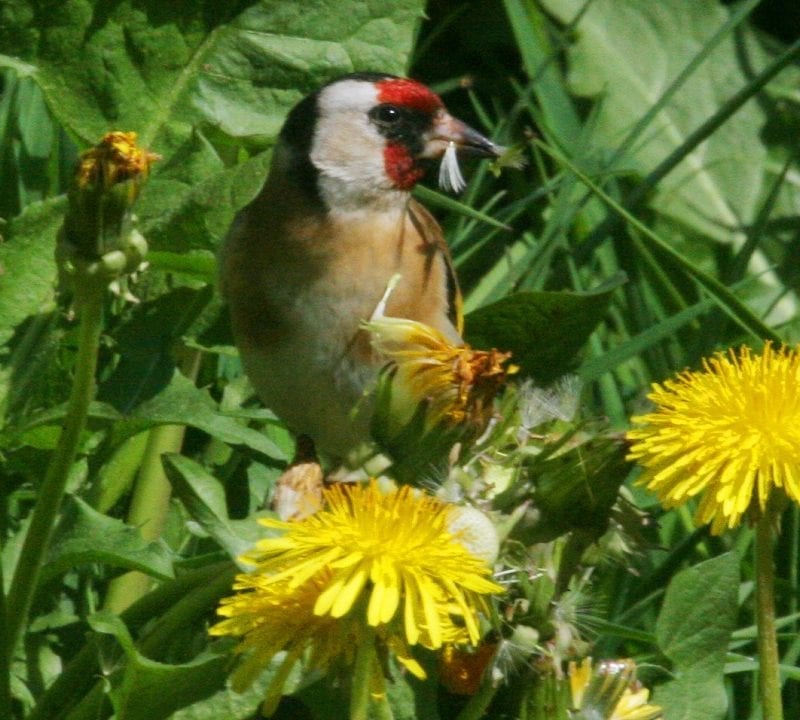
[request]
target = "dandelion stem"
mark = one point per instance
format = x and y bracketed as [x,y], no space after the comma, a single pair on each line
[51,492]
[480,701]
[362,678]
[769,677]
[383,710]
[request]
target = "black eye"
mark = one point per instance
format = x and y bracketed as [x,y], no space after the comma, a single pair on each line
[386,114]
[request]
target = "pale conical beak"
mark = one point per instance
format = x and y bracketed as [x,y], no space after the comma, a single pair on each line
[447,129]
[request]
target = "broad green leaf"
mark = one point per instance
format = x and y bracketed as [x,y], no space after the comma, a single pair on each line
[161,68]
[544,330]
[715,189]
[204,498]
[86,536]
[189,205]
[693,631]
[179,403]
[142,689]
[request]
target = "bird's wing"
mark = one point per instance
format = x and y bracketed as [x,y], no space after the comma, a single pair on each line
[431,234]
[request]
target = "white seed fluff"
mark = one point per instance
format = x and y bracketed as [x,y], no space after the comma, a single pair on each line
[450,177]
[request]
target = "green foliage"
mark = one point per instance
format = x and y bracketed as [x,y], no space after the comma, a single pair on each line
[655,221]
[693,631]
[543,330]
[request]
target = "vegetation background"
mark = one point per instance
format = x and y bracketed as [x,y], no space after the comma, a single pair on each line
[661,201]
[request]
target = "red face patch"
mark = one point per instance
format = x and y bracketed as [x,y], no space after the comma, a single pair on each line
[408,93]
[400,166]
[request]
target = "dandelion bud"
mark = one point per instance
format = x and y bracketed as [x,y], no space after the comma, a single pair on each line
[98,238]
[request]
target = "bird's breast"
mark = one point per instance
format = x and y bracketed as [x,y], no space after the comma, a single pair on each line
[298,297]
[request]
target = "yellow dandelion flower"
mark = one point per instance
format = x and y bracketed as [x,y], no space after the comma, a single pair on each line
[369,564]
[458,382]
[730,433]
[610,691]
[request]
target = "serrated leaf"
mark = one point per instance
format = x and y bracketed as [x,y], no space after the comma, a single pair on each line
[204,499]
[86,536]
[143,689]
[234,67]
[543,330]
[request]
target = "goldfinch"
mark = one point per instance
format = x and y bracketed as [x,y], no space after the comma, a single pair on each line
[309,259]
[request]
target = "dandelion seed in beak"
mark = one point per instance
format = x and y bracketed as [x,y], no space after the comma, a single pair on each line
[450,177]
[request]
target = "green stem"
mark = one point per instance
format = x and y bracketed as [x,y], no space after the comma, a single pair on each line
[148,512]
[151,498]
[480,701]
[362,678]
[51,492]
[383,710]
[5,665]
[769,675]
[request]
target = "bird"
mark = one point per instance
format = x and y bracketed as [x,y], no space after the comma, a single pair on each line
[307,261]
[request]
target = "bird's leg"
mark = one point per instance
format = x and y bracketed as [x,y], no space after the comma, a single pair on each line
[298,490]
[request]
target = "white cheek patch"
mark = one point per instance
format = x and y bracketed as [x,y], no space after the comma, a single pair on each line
[450,177]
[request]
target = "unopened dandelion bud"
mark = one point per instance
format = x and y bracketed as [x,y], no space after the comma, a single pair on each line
[99,219]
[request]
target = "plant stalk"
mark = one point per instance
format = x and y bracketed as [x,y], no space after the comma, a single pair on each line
[769,665]
[148,512]
[51,493]
[360,690]
[480,701]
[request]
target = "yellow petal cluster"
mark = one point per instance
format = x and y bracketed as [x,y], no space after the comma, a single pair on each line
[370,563]
[114,159]
[729,434]
[458,382]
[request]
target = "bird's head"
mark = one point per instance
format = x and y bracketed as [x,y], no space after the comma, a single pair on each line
[368,138]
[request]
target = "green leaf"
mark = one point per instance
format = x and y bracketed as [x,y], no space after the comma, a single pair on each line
[142,689]
[227,703]
[715,189]
[86,536]
[204,498]
[543,330]
[693,630]
[188,205]
[572,491]
[146,343]
[181,403]
[161,68]
[27,265]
